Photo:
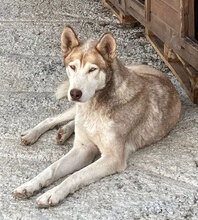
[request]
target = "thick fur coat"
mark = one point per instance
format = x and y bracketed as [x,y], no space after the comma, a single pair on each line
[118,110]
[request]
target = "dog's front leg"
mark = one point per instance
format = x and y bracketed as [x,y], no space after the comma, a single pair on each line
[106,165]
[65,132]
[80,156]
[30,136]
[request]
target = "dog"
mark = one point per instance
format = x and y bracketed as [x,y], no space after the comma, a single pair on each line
[117,110]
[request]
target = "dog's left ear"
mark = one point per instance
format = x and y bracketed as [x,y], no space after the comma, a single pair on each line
[107,47]
[69,40]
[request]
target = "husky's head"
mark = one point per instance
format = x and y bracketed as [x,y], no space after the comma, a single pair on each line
[86,63]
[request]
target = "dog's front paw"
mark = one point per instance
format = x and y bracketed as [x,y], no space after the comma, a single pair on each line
[29,137]
[24,191]
[50,198]
[63,134]
[61,137]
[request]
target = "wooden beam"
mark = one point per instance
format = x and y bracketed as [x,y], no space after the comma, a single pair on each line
[120,15]
[169,54]
[185,74]
[191,19]
[148,32]
[148,10]
[193,76]
[184,18]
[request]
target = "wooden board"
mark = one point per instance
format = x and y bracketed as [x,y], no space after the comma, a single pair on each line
[191,19]
[196,20]
[174,4]
[184,46]
[119,4]
[148,10]
[185,74]
[119,13]
[174,35]
[136,6]
[164,12]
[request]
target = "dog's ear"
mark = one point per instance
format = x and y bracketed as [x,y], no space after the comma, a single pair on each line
[69,40]
[107,46]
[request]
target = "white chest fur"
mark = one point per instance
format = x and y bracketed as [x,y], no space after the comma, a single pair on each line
[95,124]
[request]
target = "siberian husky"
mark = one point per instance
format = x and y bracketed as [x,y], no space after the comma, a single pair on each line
[118,109]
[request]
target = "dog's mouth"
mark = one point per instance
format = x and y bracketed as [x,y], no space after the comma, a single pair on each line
[76,100]
[73,100]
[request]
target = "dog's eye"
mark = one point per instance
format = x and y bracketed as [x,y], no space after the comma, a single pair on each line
[92,69]
[73,67]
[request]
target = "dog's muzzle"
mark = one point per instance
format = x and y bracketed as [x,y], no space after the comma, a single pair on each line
[76,94]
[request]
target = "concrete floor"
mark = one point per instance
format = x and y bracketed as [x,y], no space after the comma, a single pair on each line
[161,181]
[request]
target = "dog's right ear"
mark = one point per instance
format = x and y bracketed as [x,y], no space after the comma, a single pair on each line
[69,40]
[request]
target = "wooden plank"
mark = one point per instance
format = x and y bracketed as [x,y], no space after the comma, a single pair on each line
[120,4]
[183,79]
[192,72]
[185,47]
[148,10]
[189,81]
[191,19]
[148,32]
[174,4]
[169,54]
[166,13]
[131,11]
[166,33]
[193,78]
[196,20]
[136,6]
[189,51]
[121,16]
[183,18]
[187,16]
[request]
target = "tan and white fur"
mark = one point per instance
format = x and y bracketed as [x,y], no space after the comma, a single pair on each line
[118,110]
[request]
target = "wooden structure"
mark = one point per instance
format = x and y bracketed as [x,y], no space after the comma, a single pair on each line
[118,8]
[172,28]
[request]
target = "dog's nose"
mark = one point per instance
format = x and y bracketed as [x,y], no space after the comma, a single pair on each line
[75,94]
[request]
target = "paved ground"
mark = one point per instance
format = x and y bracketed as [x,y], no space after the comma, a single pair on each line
[161,181]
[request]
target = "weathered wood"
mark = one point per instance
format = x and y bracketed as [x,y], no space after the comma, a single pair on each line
[136,15]
[189,81]
[166,33]
[148,10]
[148,32]
[166,14]
[191,18]
[185,47]
[172,30]
[183,18]
[196,20]
[193,75]
[174,4]
[187,16]
[121,16]
[158,46]
[137,6]
[119,4]
[169,54]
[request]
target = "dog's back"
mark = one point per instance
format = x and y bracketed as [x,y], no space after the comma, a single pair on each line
[160,103]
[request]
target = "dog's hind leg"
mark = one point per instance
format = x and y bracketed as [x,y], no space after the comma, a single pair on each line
[80,156]
[65,132]
[30,136]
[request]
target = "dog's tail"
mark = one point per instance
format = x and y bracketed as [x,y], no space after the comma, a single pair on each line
[62,89]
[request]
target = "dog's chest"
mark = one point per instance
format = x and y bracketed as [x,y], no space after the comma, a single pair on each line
[94,123]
